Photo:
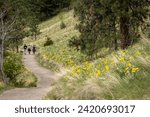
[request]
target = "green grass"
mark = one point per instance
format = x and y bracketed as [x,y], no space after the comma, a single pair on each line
[26,79]
[118,75]
[2,87]
[114,84]
[54,54]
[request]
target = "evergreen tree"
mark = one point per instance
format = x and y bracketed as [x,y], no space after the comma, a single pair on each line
[34,29]
[49,8]
[105,22]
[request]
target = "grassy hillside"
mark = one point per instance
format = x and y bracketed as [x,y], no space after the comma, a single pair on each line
[116,75]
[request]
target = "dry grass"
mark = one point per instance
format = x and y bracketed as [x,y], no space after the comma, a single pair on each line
[113,86]
[26,79]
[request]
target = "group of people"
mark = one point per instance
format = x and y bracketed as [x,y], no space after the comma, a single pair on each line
[29,48]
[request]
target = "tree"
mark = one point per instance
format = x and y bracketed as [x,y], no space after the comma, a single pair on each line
[6,27]
[13,18]
[105,22]
[47,8]
[16,38]
[34,29]
[95,28]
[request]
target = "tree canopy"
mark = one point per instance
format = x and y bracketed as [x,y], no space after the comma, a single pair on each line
[105,23]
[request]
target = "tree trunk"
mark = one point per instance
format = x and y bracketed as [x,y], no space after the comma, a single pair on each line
[2,76]
[116,43]
[115,39]
[17,49]
[124,29]
[2,38]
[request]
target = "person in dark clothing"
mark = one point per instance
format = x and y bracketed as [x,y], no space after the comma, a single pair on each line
[34,49]
[29,49]
[25,48]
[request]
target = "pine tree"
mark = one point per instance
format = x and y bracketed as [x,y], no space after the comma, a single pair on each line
[105,22]
[33,25]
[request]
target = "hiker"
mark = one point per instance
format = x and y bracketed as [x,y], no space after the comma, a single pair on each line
[25,48]
[33,49]
[29,49]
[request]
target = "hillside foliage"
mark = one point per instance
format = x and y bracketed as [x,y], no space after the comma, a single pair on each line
[109,23]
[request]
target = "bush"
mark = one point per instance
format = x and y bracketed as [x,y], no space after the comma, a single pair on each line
[48,42]
[62,25]
[13,65]
[75,43]
[18,75]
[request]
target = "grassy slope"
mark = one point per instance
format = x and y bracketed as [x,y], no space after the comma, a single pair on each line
[120,75]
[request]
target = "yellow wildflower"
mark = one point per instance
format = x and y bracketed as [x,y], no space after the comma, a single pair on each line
[130,58]
[78,71]
[135,70]
[137,53]
[98,73]
[112,63]
[122,59]
[129,64]
[66,77]
[72,73]
[126,68]
[89,66]
[127,72]
[107,68]
[77,66]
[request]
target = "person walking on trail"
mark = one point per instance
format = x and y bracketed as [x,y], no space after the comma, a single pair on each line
[25,48]
[29,49]
[34,49]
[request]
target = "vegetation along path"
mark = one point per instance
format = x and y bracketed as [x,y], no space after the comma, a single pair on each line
[44,76]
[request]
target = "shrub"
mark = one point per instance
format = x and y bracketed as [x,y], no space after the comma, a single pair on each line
[62,25]
[13,65]
[48,42]
[75,43]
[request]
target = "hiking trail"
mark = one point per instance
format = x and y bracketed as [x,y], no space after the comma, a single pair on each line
[44,76]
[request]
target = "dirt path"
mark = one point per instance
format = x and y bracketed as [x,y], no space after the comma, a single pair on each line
[45,77]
